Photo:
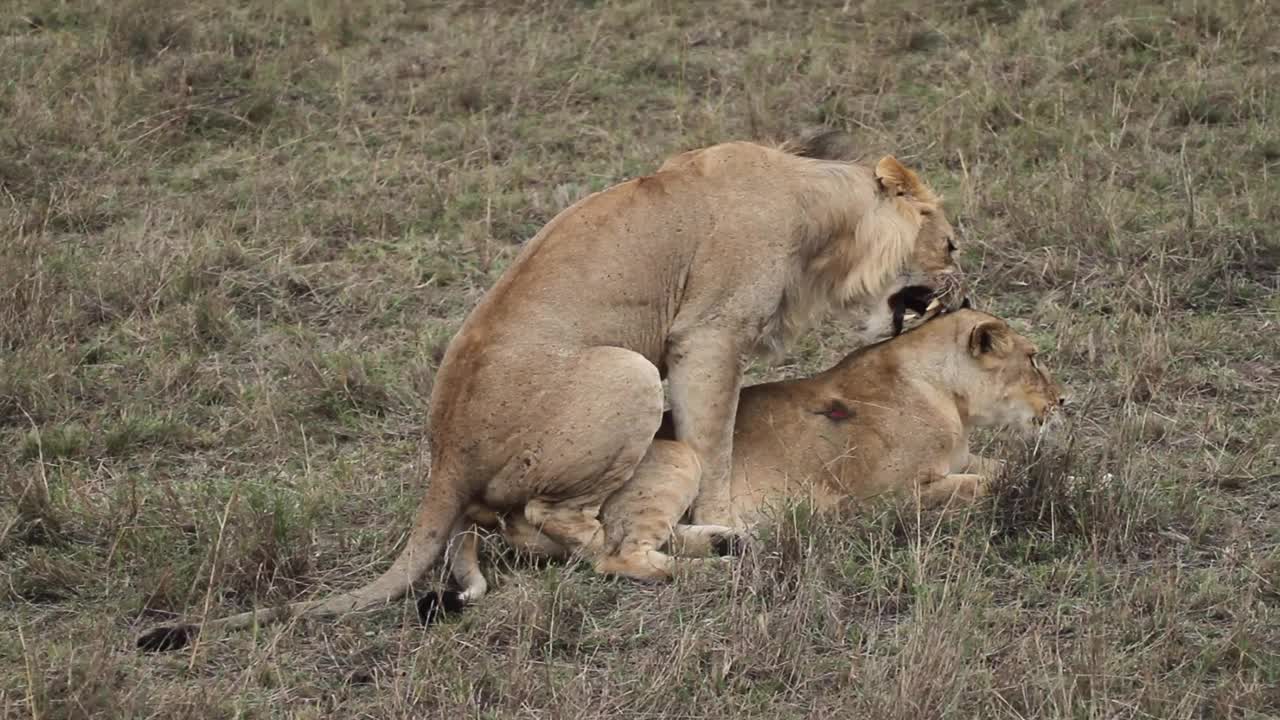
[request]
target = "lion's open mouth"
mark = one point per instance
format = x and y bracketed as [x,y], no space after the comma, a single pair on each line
[913,298]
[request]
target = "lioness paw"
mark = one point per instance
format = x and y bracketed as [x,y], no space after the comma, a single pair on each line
[436,604]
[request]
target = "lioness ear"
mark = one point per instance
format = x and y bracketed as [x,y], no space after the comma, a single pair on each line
[988,336]
[896,179]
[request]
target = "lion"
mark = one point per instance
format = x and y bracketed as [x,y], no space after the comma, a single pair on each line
[549,396]
[893,418]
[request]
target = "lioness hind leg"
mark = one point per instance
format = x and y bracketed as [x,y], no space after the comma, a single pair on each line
[979,465]
[517,531]
[956,487]
[573,525]
[524,537]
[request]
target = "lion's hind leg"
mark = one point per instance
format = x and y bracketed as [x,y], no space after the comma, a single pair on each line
[465,567]
[589,446]
[643,516]
[953,489]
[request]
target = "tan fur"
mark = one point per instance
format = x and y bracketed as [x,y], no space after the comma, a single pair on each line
[549,396]
[911,403]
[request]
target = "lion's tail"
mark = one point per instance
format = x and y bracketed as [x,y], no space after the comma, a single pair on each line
[441,509]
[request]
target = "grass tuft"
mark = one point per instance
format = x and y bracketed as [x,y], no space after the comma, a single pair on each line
[55,443]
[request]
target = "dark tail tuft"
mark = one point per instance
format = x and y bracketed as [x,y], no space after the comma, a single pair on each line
[434,605]
[166,638]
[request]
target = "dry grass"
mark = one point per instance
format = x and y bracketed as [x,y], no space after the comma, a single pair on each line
[236,241]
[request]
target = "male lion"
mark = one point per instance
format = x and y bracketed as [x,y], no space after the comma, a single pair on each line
[551,392]
[894,417]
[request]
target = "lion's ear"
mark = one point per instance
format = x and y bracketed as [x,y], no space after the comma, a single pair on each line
[896,179]
[989,336]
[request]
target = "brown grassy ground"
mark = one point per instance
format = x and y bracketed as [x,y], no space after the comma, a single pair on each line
[237,239]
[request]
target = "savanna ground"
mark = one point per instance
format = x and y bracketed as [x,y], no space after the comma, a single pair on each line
[236,240]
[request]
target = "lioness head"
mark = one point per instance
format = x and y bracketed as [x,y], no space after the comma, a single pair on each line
[1002,379]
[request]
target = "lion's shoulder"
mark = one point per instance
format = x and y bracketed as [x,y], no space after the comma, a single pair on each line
[723,157]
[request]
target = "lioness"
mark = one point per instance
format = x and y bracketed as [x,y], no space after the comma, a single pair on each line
[894,417]
[550,394]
